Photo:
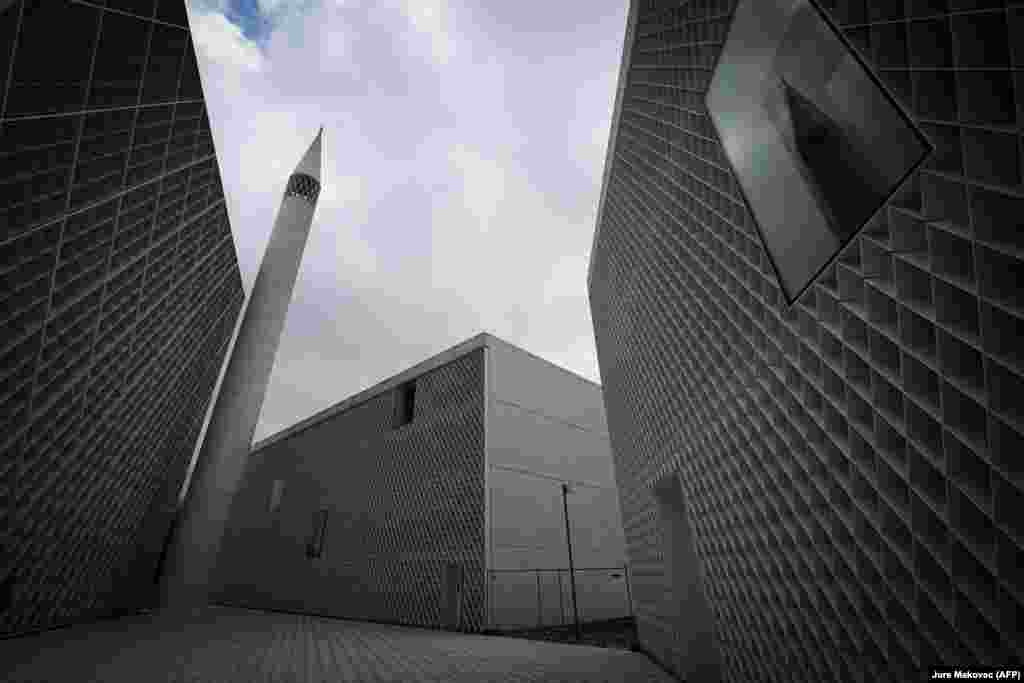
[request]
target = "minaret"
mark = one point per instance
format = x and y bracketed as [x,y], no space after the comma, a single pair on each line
[192,554]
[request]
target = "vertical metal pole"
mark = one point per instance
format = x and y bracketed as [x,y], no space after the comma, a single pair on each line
[629,597]
[540,621]
[572,574]
[561,599]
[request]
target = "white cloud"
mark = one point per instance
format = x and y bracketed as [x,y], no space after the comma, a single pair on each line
[497,244]
[307,45]
[339,190]
[432,18]
[483,183]
[222,42]
[341,210]
[565,276]
[336,47]
[588,138]
[440,214]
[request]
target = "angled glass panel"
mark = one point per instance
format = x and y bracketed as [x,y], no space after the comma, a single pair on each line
[817,144]
[119,61]
[54,51]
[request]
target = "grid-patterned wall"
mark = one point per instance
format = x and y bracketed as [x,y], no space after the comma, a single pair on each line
[852,464]
[120,289]
[401,503]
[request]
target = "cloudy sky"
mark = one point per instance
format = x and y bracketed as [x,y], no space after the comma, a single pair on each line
[463,149]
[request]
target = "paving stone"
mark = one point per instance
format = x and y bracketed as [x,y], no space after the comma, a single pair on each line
[230,645]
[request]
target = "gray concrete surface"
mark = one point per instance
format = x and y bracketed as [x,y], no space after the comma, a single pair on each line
[229,645]
[196,541]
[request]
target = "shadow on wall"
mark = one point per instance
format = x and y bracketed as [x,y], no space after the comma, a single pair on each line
[688,611]
[7,593]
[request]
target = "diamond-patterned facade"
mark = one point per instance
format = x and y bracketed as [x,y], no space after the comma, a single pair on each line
[402,503]
[851,464]
[120,292]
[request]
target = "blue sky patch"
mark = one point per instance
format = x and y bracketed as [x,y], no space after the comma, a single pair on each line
[247,15]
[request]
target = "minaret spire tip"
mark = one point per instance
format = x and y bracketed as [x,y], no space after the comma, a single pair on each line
[310,163]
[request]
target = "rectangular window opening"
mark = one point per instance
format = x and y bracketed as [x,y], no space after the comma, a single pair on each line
[405,403]
[315,547]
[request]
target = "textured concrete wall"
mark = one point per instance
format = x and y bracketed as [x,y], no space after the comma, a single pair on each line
[547,426]
[850,465]
[401,504]
[120,287]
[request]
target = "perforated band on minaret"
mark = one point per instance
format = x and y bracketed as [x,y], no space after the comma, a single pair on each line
[302,185]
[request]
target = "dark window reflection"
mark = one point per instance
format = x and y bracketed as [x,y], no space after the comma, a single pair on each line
[119,61]
[815,142]
[166,53]
[43,83]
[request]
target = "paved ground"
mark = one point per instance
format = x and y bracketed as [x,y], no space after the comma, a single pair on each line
[616,633]
[227,645]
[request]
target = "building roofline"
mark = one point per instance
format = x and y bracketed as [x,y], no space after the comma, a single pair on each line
[534,356]
[479,341]
[423,367]
[613,132]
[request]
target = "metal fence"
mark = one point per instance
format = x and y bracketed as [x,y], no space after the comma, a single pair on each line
[537,598]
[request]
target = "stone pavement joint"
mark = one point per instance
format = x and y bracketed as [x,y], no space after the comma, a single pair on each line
[232,645]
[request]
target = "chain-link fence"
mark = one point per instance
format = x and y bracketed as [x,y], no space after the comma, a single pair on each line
[538,598]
